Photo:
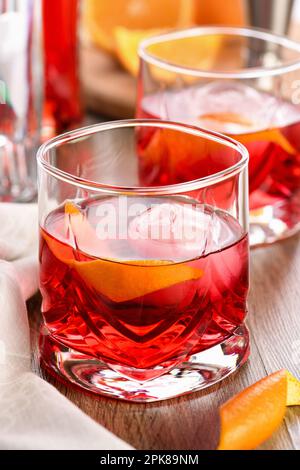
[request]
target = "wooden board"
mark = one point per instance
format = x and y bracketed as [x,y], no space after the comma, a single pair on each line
[107,88]
[191,422]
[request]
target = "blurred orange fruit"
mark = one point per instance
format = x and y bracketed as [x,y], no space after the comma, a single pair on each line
[270,135]
[101,17]
[214,12]
[127,42]
[251,417]
[122,281]
[191,52]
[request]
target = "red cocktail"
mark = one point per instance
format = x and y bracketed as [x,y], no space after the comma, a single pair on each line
[139,302]
[273,139]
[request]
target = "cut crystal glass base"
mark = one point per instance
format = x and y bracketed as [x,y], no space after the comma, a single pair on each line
[200,371]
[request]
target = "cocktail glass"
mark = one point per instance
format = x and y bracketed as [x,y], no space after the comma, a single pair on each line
[144,286]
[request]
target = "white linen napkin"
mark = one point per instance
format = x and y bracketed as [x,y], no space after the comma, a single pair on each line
[33,414]
[296,11]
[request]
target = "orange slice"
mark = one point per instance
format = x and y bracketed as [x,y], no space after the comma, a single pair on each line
[196,52]
[71,208]
[121,280]
[250,417]
[171,149]
[234,14]
[101,17]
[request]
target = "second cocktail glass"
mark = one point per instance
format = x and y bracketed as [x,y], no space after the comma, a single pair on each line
[241,82]
[144,287]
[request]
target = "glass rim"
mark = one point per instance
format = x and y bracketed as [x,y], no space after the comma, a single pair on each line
[85,132]
[253,72]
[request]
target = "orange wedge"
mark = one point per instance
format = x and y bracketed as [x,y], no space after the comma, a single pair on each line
[101,17]
[127,42]
[118,280]
[250,417]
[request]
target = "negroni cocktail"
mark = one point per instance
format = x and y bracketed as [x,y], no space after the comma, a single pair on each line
[148,297]
[144,284]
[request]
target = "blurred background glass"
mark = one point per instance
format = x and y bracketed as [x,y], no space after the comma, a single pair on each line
[20,100]
[39,85]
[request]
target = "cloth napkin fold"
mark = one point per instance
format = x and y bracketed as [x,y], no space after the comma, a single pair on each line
[33,414]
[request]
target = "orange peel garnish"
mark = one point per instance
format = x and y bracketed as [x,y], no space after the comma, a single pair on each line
[227,117]
[272,135]
[100,17]
[251,417]
[121,280]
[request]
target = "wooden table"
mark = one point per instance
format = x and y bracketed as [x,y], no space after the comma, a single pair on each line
[191,422]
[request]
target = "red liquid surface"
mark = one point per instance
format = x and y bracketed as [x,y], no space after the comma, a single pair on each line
[267,126]
[60,25]
[138,303]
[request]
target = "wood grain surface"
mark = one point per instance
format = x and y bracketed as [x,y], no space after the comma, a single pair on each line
[191,422]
